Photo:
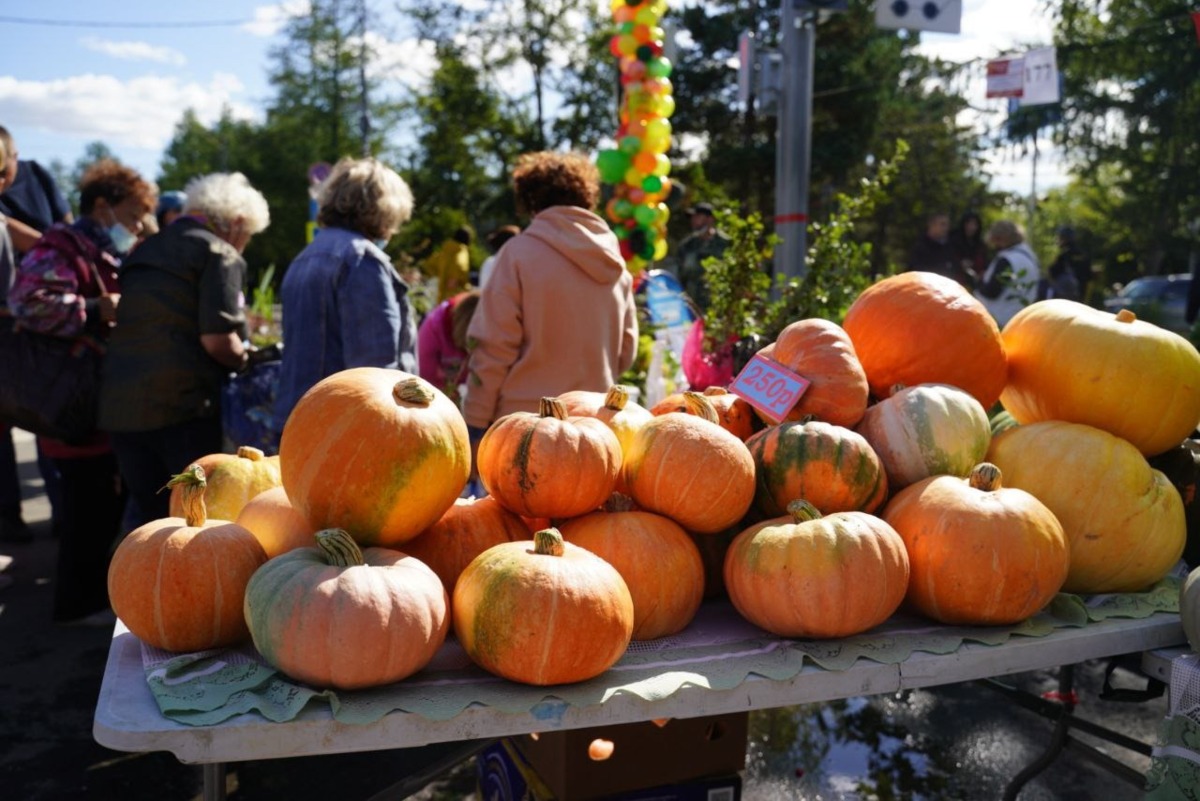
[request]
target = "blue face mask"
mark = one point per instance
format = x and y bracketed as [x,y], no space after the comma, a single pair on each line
[122,238]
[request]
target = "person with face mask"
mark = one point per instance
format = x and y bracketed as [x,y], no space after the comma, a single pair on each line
[67,286]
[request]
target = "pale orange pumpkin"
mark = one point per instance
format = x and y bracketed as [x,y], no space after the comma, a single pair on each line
[820,577]
[469,527]
[275,523]
[337,616]
[980,553]
[548,464]
[377,452]
[1076,364]
[178,583]
[822,353]
[733,414]
[543,612]
[661,566]
[923,328]
[614,409]
[232,481]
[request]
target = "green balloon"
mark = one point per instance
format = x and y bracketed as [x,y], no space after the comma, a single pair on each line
[645,215]
[652,184]
[623,208]
[630,146]
[621,232]
[658,67]
[612,164]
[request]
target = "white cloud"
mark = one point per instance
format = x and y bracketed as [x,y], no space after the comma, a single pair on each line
[134,51]
[409,62]
[138,113]
[269,20]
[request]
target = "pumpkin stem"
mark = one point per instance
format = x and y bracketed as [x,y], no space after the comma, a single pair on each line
[1126,316]
[986,477]
[413,390]
[552,407]
[251,453]
[715,392]
[896,388]
[701,407]
[339,548]
[193,482]
[616,397]
[619,502]
[808,418]
[803,511]
[548,542]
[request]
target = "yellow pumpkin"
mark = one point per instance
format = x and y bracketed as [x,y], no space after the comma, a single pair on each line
[1123,520]
[1070,362]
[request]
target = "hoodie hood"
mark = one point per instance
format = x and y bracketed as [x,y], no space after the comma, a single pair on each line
[583,239]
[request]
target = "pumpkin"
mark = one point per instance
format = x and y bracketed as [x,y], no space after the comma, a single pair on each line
[661,566]
[232,481]
[923,328]
[377,452]
[927,430]
[612,408]
[813,576]
[831,467]
[1124,520]
[1001,421]
[1189,608]
[177,583]
[337,616]
[549,464]
[690,469]
[275,523]
[822,353]
[733,414]
[546,612]
[1073,363]
[469,527]
[979,553]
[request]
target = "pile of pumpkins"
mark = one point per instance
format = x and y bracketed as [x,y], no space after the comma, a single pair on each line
[607,522]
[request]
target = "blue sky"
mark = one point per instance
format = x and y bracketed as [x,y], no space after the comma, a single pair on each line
[62,86]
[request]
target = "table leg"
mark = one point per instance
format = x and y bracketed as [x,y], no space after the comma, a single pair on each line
[214,782]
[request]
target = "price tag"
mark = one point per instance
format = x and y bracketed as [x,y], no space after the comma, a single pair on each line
[769,387]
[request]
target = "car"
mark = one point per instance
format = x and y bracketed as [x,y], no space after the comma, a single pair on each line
[1158,299]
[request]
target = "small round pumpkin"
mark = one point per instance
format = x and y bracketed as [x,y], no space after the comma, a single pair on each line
[232,481]
[377,452]
[923,328]
[548,464]
[822,352]
[275,523]
[831,467]
[733,414]
[1073,363]
[927,430]
[469,527]
[656,557]
[812,576]
[337,616]
[1124,520]
[543,612]
[980,553]
[690,469]
[178,583]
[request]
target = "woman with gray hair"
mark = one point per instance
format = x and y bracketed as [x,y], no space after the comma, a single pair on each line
[343,303]
[180,330]
[1009,283]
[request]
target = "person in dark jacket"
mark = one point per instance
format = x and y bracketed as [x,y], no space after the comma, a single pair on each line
[933,252]
[970,252]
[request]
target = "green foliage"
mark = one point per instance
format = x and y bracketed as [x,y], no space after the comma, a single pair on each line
[738,282]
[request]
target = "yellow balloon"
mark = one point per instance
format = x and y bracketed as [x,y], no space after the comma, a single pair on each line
[634,177]
[660,248]
[662,166]
[664,215]
[646,16]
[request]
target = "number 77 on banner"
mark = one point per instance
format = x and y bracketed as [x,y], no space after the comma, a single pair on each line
[769,387]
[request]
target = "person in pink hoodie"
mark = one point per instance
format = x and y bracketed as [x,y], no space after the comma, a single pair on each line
[558,311]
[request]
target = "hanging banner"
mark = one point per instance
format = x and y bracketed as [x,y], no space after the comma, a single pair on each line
[1006,77]
[1041,77]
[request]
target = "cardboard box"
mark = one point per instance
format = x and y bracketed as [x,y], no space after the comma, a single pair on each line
[503,774]
[644,755]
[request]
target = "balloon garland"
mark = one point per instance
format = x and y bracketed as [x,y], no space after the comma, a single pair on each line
[638,167]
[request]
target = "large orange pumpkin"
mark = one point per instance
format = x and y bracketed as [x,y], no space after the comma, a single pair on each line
[232,481]
[548,464]
[821,352]
[542,612]
[733,414]
[927,430]
[1124,520]
[337,616]
[377,452]
[178,583]
[812,576]
[275,523]
[1070,362]
[980,553]
[691,470]
[656,557]
[831,467]
[469,527]
[922,328]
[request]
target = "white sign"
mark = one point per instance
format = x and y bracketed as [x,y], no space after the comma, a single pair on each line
[1041,78]
[939,16]
[1006,77]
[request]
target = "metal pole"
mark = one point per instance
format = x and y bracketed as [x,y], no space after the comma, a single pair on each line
[364,118]
[793,146]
